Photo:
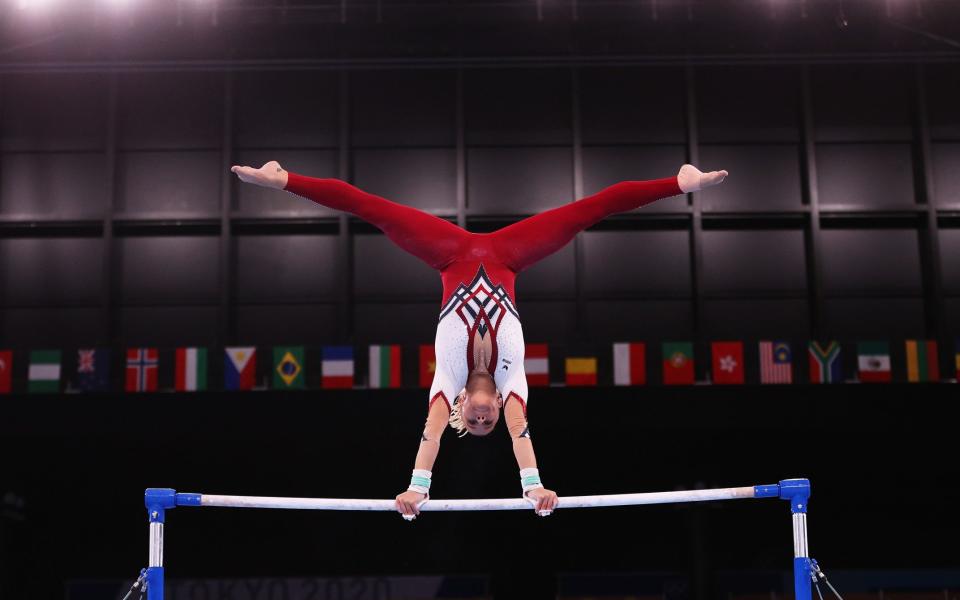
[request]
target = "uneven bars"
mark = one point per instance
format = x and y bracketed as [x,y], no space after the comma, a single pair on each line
[797,491]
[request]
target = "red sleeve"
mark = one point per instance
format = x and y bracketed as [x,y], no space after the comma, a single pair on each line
[429,238]
[526,242]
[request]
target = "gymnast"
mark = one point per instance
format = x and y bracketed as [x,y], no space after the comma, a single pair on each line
[479,342]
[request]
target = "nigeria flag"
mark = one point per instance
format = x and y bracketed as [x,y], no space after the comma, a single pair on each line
[44,376]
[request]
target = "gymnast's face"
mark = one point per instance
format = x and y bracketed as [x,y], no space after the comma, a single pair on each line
[481,405]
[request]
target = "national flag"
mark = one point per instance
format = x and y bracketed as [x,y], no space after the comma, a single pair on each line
[677,363]
[288,368]
[191,370]
[923,362]
[776,362]
[956,359]
[384,366]
[536,365]
[240,368]
[873,362]
[629,363]
[143,364]
[825,364]
[727,362]
[581,371]
[44,372]
[6,371]
[93,369]
[428,365]
[337,367]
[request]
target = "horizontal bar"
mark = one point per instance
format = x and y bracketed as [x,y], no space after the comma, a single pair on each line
[766,491]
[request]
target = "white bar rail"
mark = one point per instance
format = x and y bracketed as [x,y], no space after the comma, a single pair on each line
[471,505]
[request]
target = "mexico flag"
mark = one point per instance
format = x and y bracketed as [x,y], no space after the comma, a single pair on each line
[44,373]
[384,366]
[428,365]
[240,370]
[677,363]
[191,370]
[536,364]
[337,367]
[581,371]
[629,363]
[922,361]
[873,362]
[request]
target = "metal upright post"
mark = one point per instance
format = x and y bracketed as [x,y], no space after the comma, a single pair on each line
[797,491]
[157,501]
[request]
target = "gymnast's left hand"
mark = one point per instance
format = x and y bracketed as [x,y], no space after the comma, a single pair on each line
[544,501]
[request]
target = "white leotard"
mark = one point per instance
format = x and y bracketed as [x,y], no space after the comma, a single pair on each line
[479,324]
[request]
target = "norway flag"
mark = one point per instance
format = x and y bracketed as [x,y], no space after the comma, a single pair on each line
[240,370]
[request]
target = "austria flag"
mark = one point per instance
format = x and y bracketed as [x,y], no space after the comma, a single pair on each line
[536,364]
[629,364]
[240,370]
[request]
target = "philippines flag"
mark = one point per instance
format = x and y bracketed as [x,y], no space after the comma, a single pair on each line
[337,367]
[240,368]
[536,364]
[727,362]
[776,362]
[142,367]
[191,370]
[629,364]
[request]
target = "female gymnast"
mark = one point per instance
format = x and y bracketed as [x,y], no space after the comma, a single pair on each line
[479,343]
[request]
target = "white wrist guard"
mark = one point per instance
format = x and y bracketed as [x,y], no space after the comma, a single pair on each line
[420,481]
[530,479]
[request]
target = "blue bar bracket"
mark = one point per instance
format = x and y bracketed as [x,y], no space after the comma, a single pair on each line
[157,501]
[797,491]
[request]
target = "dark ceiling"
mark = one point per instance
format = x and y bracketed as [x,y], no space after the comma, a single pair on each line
[212,31]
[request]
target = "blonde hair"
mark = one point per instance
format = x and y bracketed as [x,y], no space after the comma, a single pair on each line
[456,415]
[456,411]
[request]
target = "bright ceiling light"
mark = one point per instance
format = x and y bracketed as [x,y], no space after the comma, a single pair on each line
[35,4]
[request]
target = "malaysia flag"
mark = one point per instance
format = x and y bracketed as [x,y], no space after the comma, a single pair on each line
[776,364]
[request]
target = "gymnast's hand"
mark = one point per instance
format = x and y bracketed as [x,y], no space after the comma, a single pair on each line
[270,175]
[544,501]
[408,504]
[692,179]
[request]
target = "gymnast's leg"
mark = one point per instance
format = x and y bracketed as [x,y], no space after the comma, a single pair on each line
[524,243]
[429,238]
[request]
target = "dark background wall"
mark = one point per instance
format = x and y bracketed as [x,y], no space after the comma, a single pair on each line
[121,225]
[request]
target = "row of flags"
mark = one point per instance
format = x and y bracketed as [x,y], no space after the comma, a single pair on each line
[727,366]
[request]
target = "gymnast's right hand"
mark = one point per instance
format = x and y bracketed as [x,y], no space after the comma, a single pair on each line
[408,504]
[269,175]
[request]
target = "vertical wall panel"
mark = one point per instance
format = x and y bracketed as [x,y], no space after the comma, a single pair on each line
[513,181]
[257,201]
[606,165]
[168,184]
[63,111]
[763,178]
[286,109]
[753,261]
[517,106]
[862,102]
[424,178]
[170,110]
[419,110]
[861,176]
[748,104]
[53,185]
[621,105]
[169,269]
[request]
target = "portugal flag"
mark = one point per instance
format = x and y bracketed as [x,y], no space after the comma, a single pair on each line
[581,371]
[727,362]
[536,365]
[428,365]
[873,362]
[677,363]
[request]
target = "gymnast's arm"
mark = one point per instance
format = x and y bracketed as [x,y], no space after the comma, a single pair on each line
[516,421]
[429,238]
[528,241]
[408,502]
